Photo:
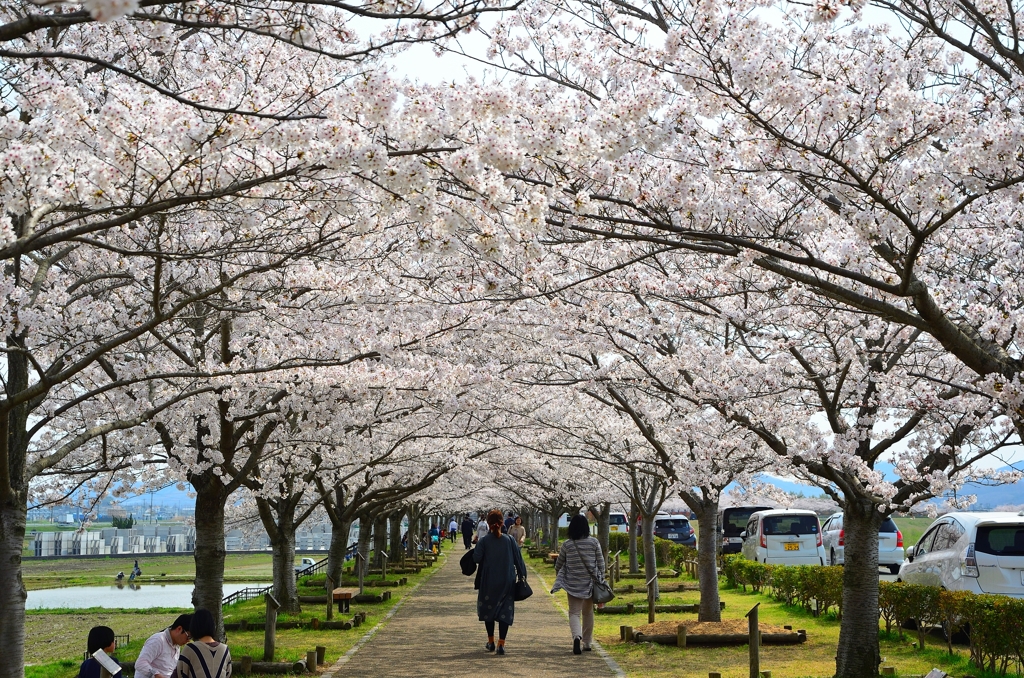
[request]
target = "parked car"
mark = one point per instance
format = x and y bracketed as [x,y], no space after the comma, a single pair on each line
[731,523]
[977,552]
[783,537]
[890,543]
[617,522]
[675,528]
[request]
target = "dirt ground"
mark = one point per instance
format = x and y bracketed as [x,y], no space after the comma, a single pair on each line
[56,636]
[695,628]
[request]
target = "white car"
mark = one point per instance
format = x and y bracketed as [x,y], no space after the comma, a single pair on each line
[976,552]
[617,522]
[890,543]
[783,537]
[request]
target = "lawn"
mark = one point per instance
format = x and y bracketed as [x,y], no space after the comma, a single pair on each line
[813,659]
[912,528]
[55,639]
[58,572]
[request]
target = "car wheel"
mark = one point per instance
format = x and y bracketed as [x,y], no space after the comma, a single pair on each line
[894,569]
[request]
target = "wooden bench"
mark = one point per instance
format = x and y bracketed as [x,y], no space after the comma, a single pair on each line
[344,597]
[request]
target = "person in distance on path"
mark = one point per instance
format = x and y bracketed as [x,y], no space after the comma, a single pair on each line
[159,656]
[501,564]
[579,561]
[453,528]
[517,531]
[467,532]
[481,529]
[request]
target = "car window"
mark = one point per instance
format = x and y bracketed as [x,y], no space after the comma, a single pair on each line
[888,525]
[924,545]
[616,519]
[671,523]
[752,526]
[798,524]
[828,525]
[947,536]
[734,520]
[1000,540]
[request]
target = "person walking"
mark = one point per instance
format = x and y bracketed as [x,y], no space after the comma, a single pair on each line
[468,528]
[580,563]
[517,531]
[481,529]
[204,657]
[453,528]
[501,565]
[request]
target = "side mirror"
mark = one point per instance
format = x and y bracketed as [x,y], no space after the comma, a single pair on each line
[911,550]
[743,535]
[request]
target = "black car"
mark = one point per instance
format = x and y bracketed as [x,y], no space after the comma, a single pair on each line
[731,522]
[675,528]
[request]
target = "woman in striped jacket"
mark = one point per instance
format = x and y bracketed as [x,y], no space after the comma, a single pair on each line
[580,563]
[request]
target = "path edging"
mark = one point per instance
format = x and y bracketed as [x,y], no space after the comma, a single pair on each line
[345,658]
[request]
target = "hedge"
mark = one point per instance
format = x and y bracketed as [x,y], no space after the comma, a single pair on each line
[994,624]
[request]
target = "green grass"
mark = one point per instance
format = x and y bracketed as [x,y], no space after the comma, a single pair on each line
[57,573]
[813,659]
[912,528]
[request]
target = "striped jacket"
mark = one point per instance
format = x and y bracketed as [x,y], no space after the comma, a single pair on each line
[575,556]
[204,660]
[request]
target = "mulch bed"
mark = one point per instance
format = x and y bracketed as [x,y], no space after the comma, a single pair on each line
[696,628]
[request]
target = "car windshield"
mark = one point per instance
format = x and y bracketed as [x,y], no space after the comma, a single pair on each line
[795,525]
[888,525]
[617,519]
[1000,540]
[734,520]
[671,523]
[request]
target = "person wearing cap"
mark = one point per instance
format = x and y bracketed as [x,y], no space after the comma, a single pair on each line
[159,656]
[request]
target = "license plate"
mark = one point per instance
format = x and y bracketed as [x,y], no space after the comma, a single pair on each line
[673,536]
[792,546]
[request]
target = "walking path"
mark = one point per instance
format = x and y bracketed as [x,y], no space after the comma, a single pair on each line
[435,632]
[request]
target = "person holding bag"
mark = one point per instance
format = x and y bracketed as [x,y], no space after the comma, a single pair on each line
[580,573]
[501,567]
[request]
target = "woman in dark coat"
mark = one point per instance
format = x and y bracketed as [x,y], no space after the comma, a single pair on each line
[100,638]
[501,564]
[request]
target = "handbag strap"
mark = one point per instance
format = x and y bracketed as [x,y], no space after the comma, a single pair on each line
[580,556]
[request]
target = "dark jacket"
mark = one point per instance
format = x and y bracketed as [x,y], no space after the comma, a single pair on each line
[500,564]
[91,669]
[468,527]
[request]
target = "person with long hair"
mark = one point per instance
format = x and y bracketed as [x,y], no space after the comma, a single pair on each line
[501,565]
[100,638]
[580,562]
[204,657]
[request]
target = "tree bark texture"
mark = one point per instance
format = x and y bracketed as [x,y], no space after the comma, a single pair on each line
[12,588]
[363,544]
[209,555]
[634,562]
[707,565]
[604,533]
[380,537]
[650,555]
[395,534]
[284,566]
[858,654]
[338,549]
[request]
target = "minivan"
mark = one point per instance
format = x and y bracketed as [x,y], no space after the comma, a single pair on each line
[675,528]
[617,522]
[976,552]
[731,523]
[783,537]
[890,543]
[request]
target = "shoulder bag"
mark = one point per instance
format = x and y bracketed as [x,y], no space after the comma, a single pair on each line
[602,592]
[522,589]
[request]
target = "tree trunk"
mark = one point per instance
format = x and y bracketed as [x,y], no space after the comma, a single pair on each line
[284,566]
[858,654]
[634,562]
[12,589]
[210,552]
[555,515]
[338,549]
[707,562]
[363,543]
[380,537]
[604,532]
[413,530]
[650,557]
[395,534]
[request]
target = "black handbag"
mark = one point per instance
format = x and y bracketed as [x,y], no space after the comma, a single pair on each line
[523,590]
[467,563]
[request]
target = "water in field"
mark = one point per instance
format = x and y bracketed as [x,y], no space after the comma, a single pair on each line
[126,595]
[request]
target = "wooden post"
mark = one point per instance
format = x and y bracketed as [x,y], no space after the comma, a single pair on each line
[714,674]
[383,566]
[360,568]
[311,661]
[321,654]
[618,567]
[629,634]
[681,635]
[246,665]
[330,598]
[270,628]
[755,642]
[651,583]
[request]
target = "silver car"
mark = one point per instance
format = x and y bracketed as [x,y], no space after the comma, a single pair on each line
[977,552]
[890,543]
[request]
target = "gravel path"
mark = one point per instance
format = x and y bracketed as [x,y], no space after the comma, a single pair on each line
[435,632]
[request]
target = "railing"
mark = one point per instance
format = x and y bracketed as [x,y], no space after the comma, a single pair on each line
[248,593]
[315,568]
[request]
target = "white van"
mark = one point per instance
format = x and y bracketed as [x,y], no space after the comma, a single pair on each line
[617,522]
[784,537]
